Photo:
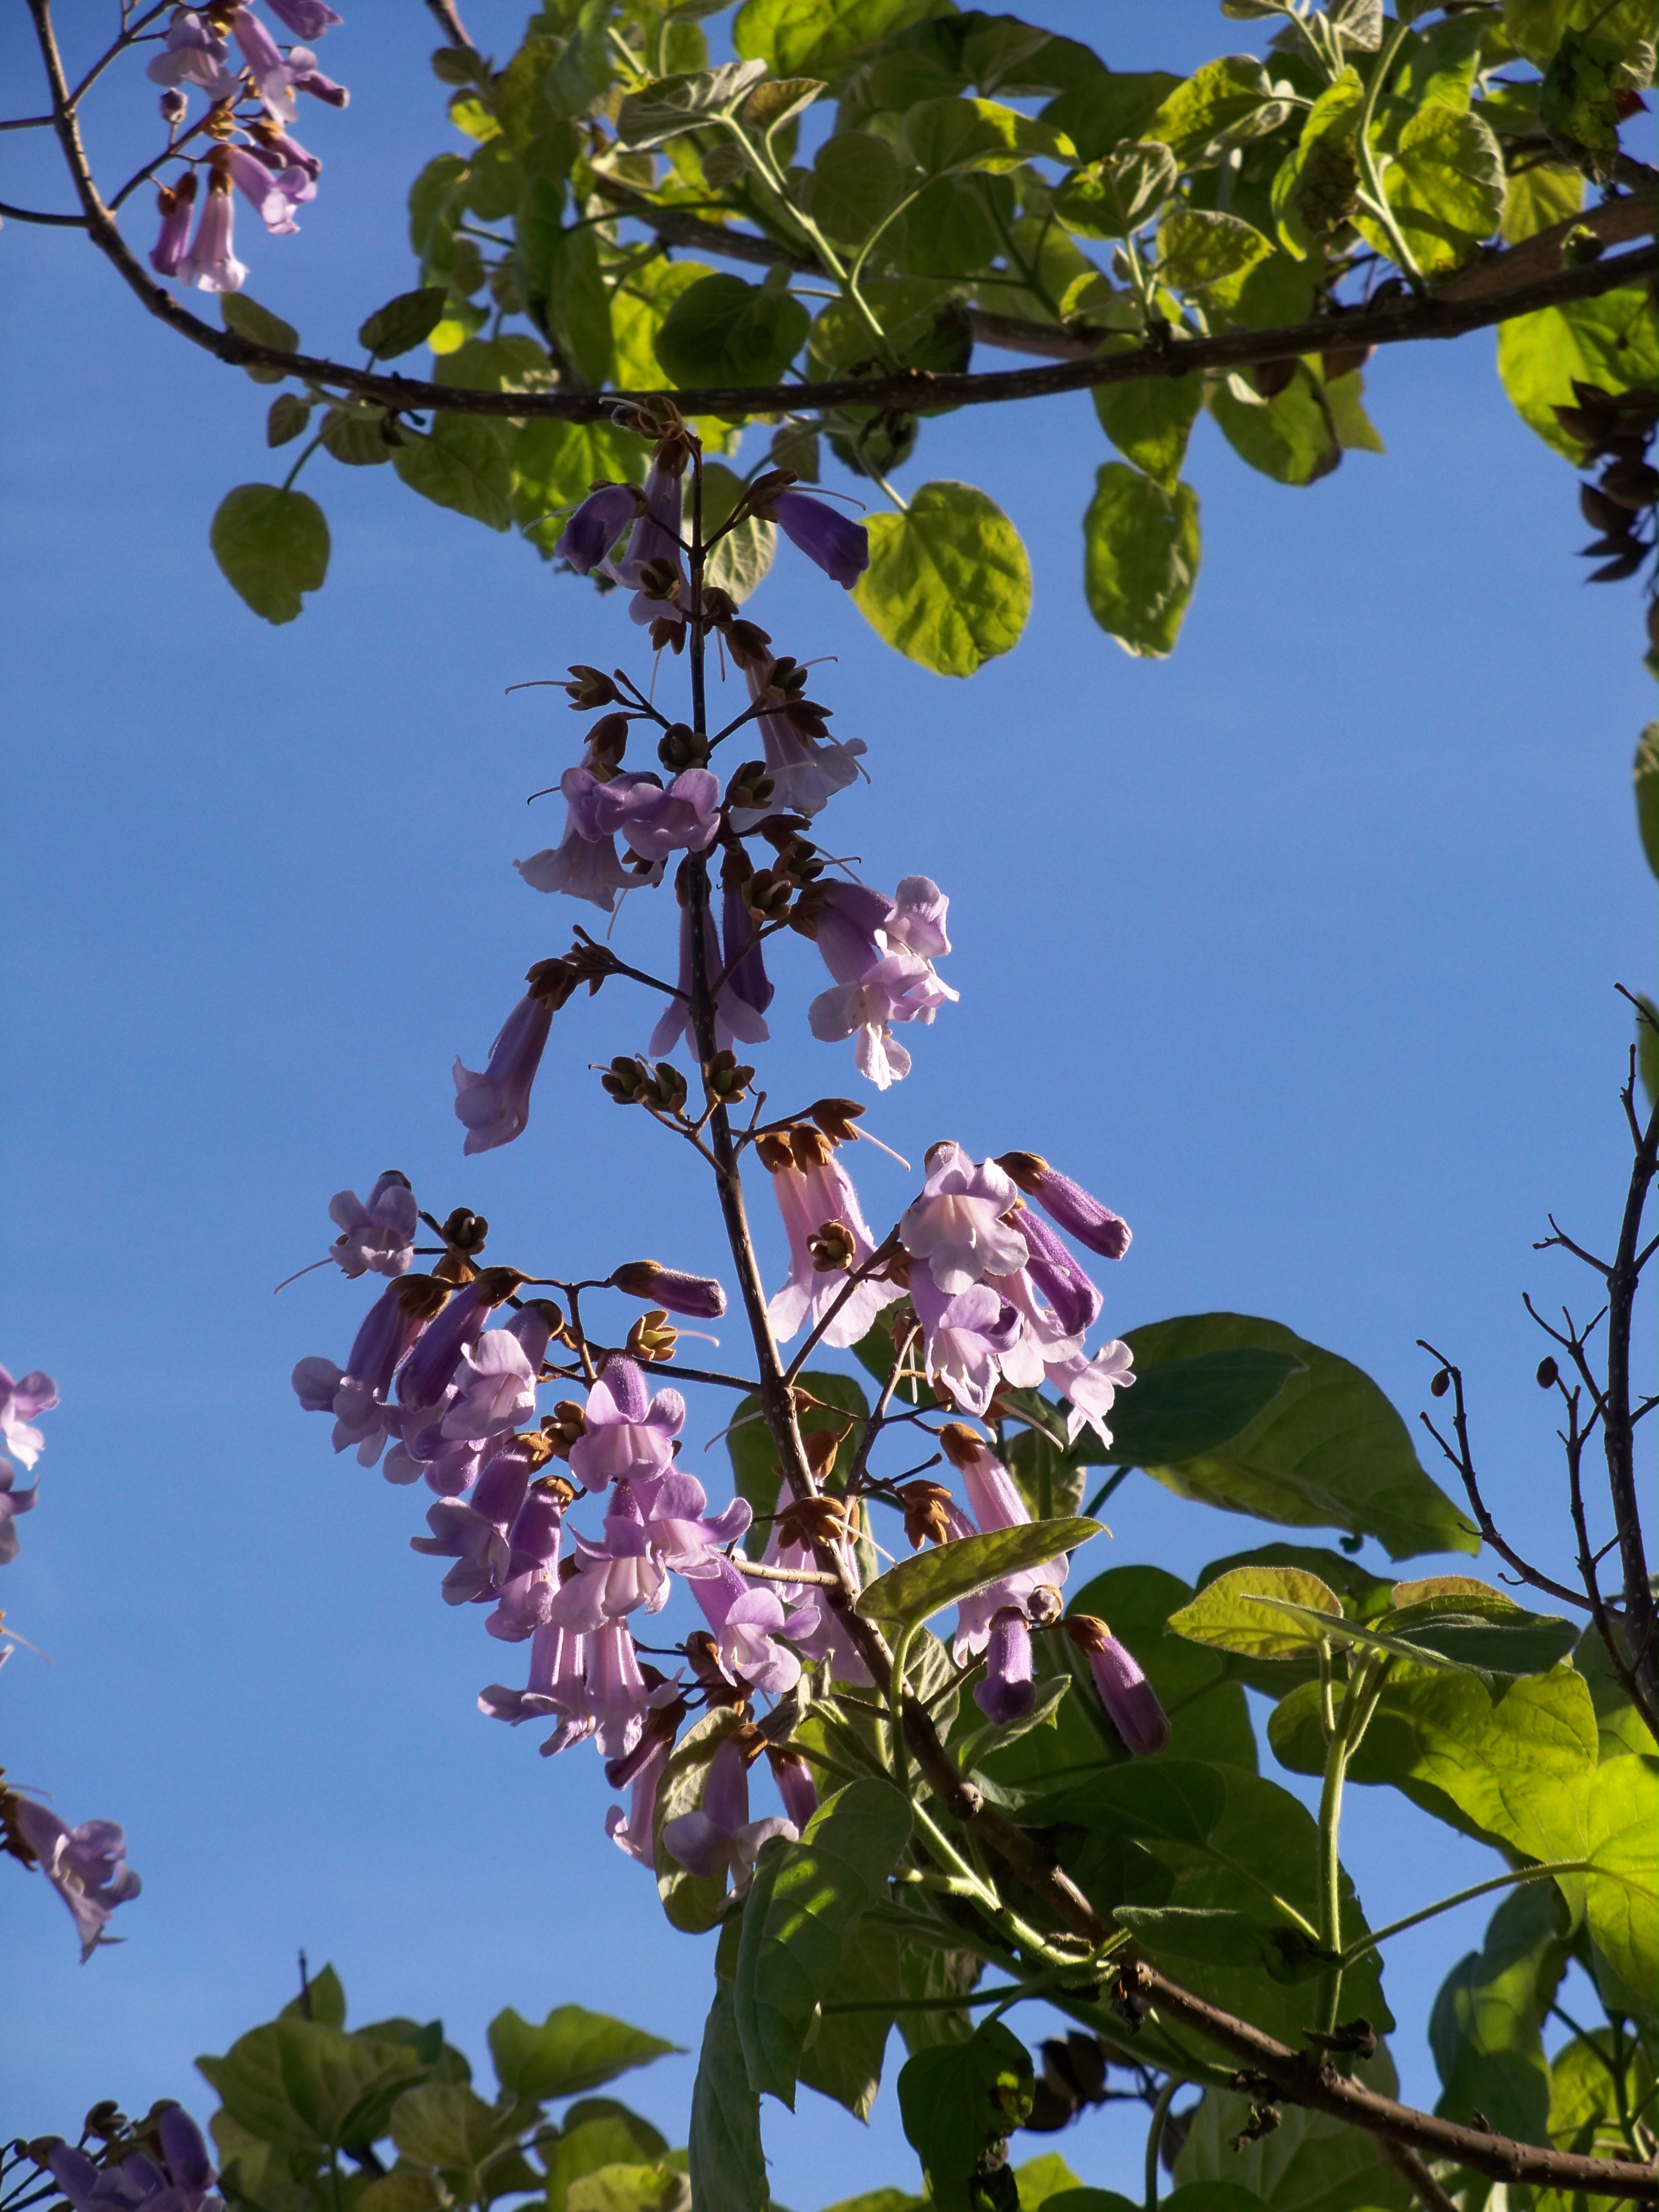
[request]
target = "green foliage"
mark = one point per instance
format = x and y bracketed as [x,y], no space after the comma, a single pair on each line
[728,2169]
[1610,342]
[1291,437]
[1309,2162]
[949,583]
[959,2102]
[572,2049]
[1486,2030]
[916,1588]
[403,323]
[272,546]
[1329,1451]
[241,312]
[722,330]
[1139,558]
[460,464]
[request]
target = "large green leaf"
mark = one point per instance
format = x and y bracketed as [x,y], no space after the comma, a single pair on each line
[1182,1407]
[1514,1773]
[300,2086]
[1291,437]
[754,1455]
[272,546]
[693,1902]
[1610,342]
[1141,551]
[856,181]
[1310,2162]
[803,1911]
[1621,1828]
[1230,1614]
[655,2188]
[1329,1451]
[916,1588]
[1197,248]
[1485,2028]
[814,38]
[1445,187]
[728,2168]
[1227,98]
[959,2102]
[596,2135]
[949,583]
[976,134]
[563,285]
[461,464]
[572,2049]
[447,2125]
[667,106]
[1101,108]
[741,558]
[1113,198]
[723,332]
[1155,1801]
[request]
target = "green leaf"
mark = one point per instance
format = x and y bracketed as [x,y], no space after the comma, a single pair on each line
[1621,1829]
[667,106]
[1114,197]
[916,1588]
[272,546]
[1329,1451]
[755,1457]
[1226,100]
[459,464]
[572,2049]
[435,208]
[324,2001]
[1475,1626]
[1102,108]
[955,135]
[654,2188]
[1270,295]
[403,323]
[1155,1800]
[1539,198]
[1515,1773]
[1040,2180]
[1182,1407]
[447,2125]
[405,2189]
[803,1911]
[959,2102]
[1316,188]
[1310,2162]
[926,326]
[1222,1937]
[741,559]
[1610,342]
[1355,431]
[855,180]
[814,38]
[728,2169]
[1445,187]
[300,2086]
[723,332]
[1485,2028]
[1290,437]
[1196,248]
[693,1902]
[1140,554]
[553,464]
[1644,775]
[595,2135]
[563,285]
[1228,1616]
[358,440]
[250,320]
[949,583]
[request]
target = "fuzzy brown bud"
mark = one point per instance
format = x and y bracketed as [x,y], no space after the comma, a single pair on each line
[704,1662]
[833,1247]
[728,1079]
[767,893]
[836,1117]
[1441,1384]
[772,1149]
[465,1232]
[749,645]
[809,1147]
[553,981]
[650,1337]
[821,1446]
[590,688]
[812,1520]
[807,718]
[964,1447]
[1025,1170]
[681,747]
[495,1285]
[926,1515]
[607,741]
[751,785]
[565,1426]
[421,1297]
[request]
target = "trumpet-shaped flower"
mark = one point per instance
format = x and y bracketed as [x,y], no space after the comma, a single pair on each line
[86,1866]
[194,53]
[20,1402]
[957,1224]
[306,18]
[1006,1690]
[377,1236]
[630,1433]
[494,1107]
[210,263]
[839,546]
[719,1836]
[596,525]
[1067,1204]
[1131,1704]
[808,1200]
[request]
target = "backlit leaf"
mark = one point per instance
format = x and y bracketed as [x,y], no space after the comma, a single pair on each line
[572,2049]
[460,464]
[1611,342]
[272,546]
[949,583]
[723,332]
[1141,551]
[943,1573]
[958,2101]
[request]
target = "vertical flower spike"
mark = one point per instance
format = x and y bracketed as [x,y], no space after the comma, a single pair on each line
[1130,1700]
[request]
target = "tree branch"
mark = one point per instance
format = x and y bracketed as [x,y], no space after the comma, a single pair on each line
[33,215]
[1618,1429]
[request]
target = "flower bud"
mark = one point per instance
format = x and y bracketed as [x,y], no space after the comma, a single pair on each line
[1130,1703]
[833,1247]
[718,606]
[558,1487]
[772,1149]
[567,1425]
[650,1337]
[795,1781]
[495,1285]
[926,1516]
[592,688]
[751,785]
[1548,1374]
[836,1117]
[606,743]
[807,718]
[421,1297]
[727,1078]
[627,1080]
[465,1232]
[812,1520]
[821,1446]
[698,1297]
[1442,1382]
[703,1659]
[659,580]
[681,747]
[767,893]
[964,1447]
[552,982]
[749,645]
[174,105]
[669,1090]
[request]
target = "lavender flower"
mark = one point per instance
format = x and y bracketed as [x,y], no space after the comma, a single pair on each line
[795,1784]
[174,203]
[596,525]
[376,1236]
[736,1020]
[957,1224]
[308,78]
[494,1107]
[632,1831]
[1006,1691]
[273,77]
[839,546]
[138,2184]
[528,1587]
[617,1576]
[306,18]
[193,53]
[805,772]
[880,981]
[273,207]
[20,1402]
[1075,1299]
[584,864]
[629,1433]
[619,1698]
[1130,1700]
[557,1685]
[719,1836]
[994,1502]
[86,1866]
[1068,1204]
[809,1199]
[210,264]
[700,1297]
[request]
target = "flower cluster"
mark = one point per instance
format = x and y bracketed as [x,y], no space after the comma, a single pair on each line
[248,145]
[181,2180]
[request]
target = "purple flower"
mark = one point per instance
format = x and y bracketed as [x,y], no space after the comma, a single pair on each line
[307,77]
[809,1199]
[745,958]
[805,772]
[700,1297]
[256,183]
[282,154]
[19,1404]
[596,525]
[356,1392]
[745,1619]
[971,1339]
[174,203]
[681,1531]
[528,1586]
[735,1019]
[423,1387]
[617,1576]
[494,1107]
[584,864]
[306,18]
[557,1685]
[880,981]
[377,1238]
[632,1831]
[955,1225]
[86,1866]
[795,1784]
[1006,1691]
[1068,1204]
[273,77]
[655,537]
[630,1433]
[1075,1299]
[496,1382]
[684,818]
[1130,1700]
[721,1836]
[138,2184]
[210,264]
[994,1502]
[1092,1385]
[839,546]
[193,54]
[478,1545]
[618,1697]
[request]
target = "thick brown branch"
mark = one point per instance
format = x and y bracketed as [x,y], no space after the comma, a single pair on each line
[1304,2079]
[1617,1428]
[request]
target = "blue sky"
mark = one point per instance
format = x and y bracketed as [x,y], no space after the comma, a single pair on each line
[1299,948]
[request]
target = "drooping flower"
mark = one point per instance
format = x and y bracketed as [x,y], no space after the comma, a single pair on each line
[631,1434]
[619,1696]
[735,1020]
[210,264]
[683,819]
[632,1831]
[809,1199]
[174,203]
[700,1297]
[596,525]
[20,1402]
[584,863]
[273,207]
[308,78]
[1092,1385]
[557,1687]
[495,1382]
[680,1530]
[306,18]
[795,1784]
[622,1575]
[282,154]
[86,1866]
[356,1393]
[839,546]
[1006,1690]
[1068,1205]
[377,1236]
[994,1502]
[494,1107]
[138,2184]
[1130,1703]
[1076,1301]
[955,1225]
[193,53]
[529,1582]
[273,77]
[880,981]
[719,1836]
[655,541]
[969,1339]
[746,1619]
[806,772]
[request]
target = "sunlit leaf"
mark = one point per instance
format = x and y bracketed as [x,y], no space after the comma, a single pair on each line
[943,1573]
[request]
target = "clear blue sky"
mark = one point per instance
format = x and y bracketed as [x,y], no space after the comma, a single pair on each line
[1299,948]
